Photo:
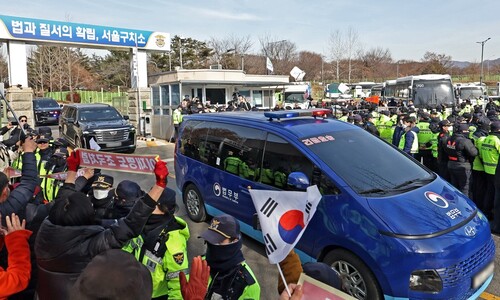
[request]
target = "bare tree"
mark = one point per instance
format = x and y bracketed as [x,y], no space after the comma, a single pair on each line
[227,50]
[352,40]
[436,63]
[375,63]
[337,50]
[283,53]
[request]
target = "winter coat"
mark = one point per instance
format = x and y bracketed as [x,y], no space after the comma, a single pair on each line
[17,275]
[64,251]
[19,197]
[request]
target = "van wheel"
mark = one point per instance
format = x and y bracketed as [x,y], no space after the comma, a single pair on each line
[357,280]
[194,204]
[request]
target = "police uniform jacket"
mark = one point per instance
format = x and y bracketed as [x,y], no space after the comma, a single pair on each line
[63,251]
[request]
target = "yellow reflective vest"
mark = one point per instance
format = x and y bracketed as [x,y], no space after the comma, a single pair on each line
[489,151]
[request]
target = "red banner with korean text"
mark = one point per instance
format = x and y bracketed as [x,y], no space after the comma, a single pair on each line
[118,162]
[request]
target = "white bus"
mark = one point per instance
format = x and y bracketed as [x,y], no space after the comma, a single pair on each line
[426,91]
[470,91]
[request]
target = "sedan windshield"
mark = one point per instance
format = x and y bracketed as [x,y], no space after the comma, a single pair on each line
[99,114]
[367,164]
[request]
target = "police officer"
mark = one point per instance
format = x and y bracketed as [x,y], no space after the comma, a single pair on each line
[100,195]
[409,140]
[490,152]
[442,157]
[385,126]
[55,164]
[370,126]
[230,275]
[162,247]
[478,175]
[232,163]
[177,120]
[425,136]
[124,195]
[461,152]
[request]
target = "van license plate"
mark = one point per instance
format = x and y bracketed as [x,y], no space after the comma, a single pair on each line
[114,144]
[481,277]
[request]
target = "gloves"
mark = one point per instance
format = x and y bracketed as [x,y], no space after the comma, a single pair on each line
[161,173]
[196,288]
[73,161]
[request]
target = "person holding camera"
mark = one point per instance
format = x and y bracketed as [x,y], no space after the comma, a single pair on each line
[16,132]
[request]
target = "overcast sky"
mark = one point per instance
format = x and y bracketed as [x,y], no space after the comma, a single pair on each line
[407,28]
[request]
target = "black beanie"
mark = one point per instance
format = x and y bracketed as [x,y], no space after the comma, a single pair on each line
[4,181]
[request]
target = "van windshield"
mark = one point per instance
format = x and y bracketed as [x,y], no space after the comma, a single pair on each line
[367,164]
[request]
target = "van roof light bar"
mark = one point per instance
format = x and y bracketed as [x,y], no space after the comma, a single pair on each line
[289,114]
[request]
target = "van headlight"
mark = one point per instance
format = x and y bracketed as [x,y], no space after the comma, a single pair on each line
[426,281]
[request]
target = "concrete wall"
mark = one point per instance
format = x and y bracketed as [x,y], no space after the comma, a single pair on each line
[21,101]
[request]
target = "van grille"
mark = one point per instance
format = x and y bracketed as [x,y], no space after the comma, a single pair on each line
[112,135]
[453,276]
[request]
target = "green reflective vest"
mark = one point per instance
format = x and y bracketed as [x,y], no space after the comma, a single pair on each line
[424,135]
[434,145]
[489,151]
[177,117]
[232,164]
[251,291]
[279,179]
[50,186]
[164,270]
[343,118]
[477,164]
[266,177]
[386,128]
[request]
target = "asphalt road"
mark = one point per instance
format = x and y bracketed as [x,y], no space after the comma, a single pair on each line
[254,252]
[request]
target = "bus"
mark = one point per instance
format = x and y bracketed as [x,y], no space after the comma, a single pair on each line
[336,91]
[471,91]
[362,89]
[426,91]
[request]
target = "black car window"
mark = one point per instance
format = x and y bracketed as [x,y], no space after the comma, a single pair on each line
[280,159]
[239,148]
[98,114]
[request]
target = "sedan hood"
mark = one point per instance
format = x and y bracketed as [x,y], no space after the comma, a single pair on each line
[426,210]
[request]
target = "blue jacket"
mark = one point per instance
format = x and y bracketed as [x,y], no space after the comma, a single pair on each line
[409,139]
[19,197]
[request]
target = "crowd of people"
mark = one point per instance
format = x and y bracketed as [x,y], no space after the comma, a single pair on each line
[86,238]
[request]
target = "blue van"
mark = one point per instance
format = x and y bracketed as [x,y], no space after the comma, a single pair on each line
[392,228]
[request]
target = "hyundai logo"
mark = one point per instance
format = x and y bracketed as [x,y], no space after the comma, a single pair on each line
[470,231]
[436,199]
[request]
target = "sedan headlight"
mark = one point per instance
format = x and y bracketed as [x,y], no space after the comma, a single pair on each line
[426,281]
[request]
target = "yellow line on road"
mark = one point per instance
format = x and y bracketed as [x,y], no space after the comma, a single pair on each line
[488,296]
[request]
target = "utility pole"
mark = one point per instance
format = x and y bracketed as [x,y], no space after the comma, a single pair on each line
[482,54]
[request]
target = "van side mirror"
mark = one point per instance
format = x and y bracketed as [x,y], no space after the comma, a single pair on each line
[256,222]
[298,181]
[126,117]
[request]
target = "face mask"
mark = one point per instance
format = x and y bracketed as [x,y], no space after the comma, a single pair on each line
[100,194]
[404,126]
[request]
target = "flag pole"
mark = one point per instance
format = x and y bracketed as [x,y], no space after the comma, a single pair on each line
[284,280]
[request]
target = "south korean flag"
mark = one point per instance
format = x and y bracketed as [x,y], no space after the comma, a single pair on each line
[283,218]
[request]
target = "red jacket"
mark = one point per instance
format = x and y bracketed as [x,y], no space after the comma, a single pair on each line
[17,275]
